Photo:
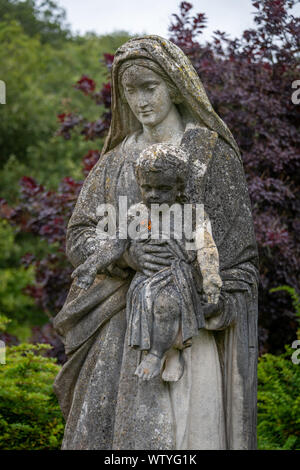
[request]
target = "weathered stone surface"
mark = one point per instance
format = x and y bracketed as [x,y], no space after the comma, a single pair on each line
[110,390]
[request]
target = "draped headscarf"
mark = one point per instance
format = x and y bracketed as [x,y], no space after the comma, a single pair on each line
[173,64]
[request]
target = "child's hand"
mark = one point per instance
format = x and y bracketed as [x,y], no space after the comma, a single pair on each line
[212,287]
[85,276]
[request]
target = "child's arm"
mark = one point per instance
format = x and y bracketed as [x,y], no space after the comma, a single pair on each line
[208,260]
[110,251]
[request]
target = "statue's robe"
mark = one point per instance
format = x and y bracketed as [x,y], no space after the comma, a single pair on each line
[103,402]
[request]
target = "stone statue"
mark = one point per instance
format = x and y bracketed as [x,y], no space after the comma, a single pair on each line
[145,309]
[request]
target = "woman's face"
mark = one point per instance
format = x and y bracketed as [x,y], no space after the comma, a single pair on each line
[147,95]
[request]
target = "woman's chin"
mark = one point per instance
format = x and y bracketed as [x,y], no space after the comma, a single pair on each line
[148,120]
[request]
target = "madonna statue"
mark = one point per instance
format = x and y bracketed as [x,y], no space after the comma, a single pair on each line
[157,97]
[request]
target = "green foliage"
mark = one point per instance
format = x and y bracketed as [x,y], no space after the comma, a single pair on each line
[3,323]
[30,417]
[15,304]
[43,18]
[278,402]
[278,394]
[21,60]
[39,79]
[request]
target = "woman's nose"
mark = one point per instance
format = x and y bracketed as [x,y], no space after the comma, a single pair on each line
[142,100]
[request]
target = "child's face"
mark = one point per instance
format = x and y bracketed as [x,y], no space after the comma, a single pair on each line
[159,187]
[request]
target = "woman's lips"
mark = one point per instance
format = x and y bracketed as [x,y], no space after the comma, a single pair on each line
[146,112]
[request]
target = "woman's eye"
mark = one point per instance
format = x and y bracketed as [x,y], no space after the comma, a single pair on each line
[129,91]
[150,88]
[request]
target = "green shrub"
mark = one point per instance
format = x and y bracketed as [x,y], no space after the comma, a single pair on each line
[278,402]
[30,417]
[278,394]
[15,303]
[39,78]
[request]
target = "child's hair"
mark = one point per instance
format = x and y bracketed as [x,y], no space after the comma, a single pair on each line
[162,157]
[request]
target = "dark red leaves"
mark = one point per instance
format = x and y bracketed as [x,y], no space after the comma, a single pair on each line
[89,160]
[27,260]
[85,84]
[96,129]
[108,60]
[103,97]
[106,95]
[185,29]
[61,117]
[29,186]
[69,122]
[185,7]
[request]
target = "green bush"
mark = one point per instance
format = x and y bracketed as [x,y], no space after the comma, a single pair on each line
[39,79]
[278,402]
[30,417]
[278,394]
[15,304]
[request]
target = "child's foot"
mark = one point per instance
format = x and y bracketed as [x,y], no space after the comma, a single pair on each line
[149,367]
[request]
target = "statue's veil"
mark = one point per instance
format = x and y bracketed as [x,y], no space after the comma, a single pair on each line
[180,71]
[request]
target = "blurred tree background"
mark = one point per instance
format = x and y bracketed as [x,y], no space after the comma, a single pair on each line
[51,134]
[40,61]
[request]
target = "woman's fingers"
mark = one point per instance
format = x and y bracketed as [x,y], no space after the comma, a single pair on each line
[148,273]
[157,256]
[152,266]
[161,248]
[162,254]
[157,260]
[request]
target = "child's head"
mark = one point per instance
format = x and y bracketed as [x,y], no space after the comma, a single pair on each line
[162,171]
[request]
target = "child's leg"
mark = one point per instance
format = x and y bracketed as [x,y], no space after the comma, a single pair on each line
[166,321]
[166,316]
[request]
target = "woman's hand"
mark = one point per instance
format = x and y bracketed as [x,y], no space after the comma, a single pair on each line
[148,258]
[84,275]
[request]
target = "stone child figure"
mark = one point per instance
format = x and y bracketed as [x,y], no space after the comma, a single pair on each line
[162,310]
[161,172]
[207,253]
